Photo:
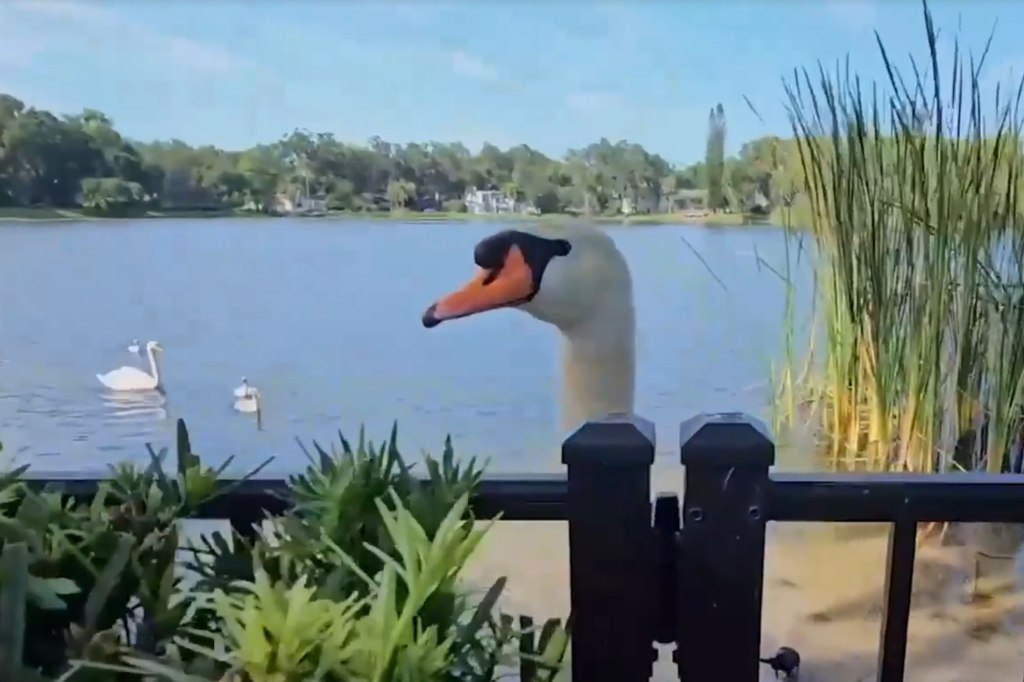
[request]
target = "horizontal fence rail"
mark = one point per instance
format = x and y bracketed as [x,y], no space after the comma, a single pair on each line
[955,497]
[685,570]
[522,497]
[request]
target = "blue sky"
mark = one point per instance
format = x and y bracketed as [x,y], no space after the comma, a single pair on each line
[553,74]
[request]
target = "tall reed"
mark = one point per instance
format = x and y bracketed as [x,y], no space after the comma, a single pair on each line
[913,188]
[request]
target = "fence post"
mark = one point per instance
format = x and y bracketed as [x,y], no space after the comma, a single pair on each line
[721,548]
[611,546]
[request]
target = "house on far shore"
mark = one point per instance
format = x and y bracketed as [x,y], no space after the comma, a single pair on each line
[290,204]
[493,201]
[758,203]
[428,202]
[688,201]
[643,204]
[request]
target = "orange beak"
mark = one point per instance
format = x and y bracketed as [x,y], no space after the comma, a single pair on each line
[512,284]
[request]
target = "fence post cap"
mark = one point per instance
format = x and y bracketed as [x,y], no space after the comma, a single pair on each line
[725,439]
[618,439]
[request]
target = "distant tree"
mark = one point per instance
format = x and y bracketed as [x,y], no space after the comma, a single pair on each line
[110,195]
[45,159]
[714,159]
[400,194]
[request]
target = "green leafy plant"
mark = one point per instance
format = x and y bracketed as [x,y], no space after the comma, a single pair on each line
[353,511]
[359,580]
[284,630]
[101,573]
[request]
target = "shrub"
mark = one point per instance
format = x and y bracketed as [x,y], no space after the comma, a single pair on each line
[359,580]
[107,196]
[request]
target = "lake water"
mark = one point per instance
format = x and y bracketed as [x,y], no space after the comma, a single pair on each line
[324,317]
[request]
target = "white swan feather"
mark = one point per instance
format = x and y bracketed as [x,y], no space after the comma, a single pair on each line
[133,378]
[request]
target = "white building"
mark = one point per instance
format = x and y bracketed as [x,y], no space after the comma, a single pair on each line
[299,203]
[489,201]
[645,204]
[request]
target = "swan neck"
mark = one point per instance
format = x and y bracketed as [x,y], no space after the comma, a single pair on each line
[154,366]
[599,368]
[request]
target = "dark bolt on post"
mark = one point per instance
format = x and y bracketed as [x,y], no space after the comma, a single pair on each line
[721,555]
[611,548]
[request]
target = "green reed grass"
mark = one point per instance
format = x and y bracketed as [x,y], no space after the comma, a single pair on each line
[913,189]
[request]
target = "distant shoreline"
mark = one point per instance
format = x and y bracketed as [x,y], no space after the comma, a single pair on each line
[19,215]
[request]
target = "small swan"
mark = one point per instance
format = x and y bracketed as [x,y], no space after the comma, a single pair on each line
[133,378]
[243,390]
[250,402]
[133,347]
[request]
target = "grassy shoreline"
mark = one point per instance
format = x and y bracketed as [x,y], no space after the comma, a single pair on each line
[35,214]
[40,214]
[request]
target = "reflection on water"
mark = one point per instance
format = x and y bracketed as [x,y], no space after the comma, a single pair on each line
[141,407]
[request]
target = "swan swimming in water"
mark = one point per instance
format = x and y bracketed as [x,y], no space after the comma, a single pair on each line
[133,378]
[133,347]
[574,278]
[250,402]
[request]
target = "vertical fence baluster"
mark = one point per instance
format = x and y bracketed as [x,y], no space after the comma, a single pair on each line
[611,548]
[721,555]
[666,538]
[899,584]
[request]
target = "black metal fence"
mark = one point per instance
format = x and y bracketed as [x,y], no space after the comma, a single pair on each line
[690,574]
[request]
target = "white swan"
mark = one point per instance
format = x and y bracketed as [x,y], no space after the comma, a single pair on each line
[133,378]
[250,402]
[243,390]
[133,347]
[575,278]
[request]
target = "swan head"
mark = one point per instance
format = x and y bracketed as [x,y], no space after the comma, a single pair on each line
[565,276]
[154,346]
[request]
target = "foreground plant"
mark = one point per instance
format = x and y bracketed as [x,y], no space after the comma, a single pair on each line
[360,580]
[100,573]
[915,215]
[363,526]
[288,630]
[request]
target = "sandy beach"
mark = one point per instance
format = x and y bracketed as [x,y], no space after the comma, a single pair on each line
[823,596]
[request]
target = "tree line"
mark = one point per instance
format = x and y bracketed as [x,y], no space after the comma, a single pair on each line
[81,160]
